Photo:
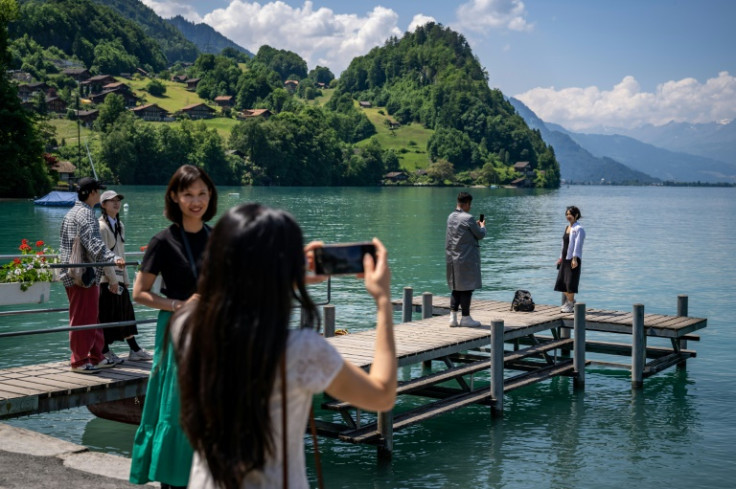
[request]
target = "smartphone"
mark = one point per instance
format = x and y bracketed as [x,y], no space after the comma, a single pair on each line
[342,258]
[482,218]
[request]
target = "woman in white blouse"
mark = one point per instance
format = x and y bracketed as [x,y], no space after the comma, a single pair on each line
[570,262]
[235,351]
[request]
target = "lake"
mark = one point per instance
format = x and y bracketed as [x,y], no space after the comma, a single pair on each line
[644,245]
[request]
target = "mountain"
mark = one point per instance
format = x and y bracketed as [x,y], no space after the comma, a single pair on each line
[712,140]
[176,47]
[207,39]
[661,163]
[577,164]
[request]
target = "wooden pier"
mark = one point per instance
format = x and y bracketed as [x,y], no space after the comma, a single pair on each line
[541,346]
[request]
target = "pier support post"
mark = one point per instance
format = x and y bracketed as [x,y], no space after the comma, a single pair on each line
[638,347]
[682,312]
[579,346]
[386,429]
[497,367]
[426,314]
[406,305]
[328,314]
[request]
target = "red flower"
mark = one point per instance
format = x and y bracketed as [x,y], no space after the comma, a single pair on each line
[39,244]
[39,253]
[16,261]
[143,248]
[23,241]
[24,247]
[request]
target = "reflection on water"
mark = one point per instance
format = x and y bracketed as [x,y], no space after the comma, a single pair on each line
[643,245]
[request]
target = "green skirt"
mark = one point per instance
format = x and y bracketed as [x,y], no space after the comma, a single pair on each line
[161,450]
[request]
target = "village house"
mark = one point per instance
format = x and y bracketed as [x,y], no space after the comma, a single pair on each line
[142,72]
[291,85]
[249,113]
[192,84]
[19,76]
[525,168]
[65,169]
[79,74]
[55,104]
[26,90]
[94,84]
[224,101]
[179,78]
[87,117]
[151,112]
[395,177]
[198,111]
[129,99]
[364,104]
[320,85]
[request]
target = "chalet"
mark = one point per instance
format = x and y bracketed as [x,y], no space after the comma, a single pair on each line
[192,84]
[79,74]
[392,124]
[521,182]
[87,117]
[55,104]
[364,104]
[116,86]
[320,85]
[65,169]
[179,78]
[20,76]
[249,113]
[129,98]
[94,84]
[142,72]
[291,85]
[395,176]
[524,167]
[151,112]
[224,101]
[26,90]
[198,111]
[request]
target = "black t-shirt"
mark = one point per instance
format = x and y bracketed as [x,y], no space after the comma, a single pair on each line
[167,255]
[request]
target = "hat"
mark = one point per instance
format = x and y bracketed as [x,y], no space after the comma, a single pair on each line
[109,195]
[88,184]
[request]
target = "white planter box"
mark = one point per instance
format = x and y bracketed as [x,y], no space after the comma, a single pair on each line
[37,293]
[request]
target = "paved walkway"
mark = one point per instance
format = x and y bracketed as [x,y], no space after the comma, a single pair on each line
[32,460]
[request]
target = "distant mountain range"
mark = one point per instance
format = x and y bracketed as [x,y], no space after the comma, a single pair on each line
[207,39]
[592,157]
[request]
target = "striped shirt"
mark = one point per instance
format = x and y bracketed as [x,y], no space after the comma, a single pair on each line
[80,221]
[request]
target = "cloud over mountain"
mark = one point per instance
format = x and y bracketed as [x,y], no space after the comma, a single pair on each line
[478,15]
[626,105]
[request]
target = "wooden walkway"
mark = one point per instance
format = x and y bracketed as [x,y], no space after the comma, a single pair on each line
[459,353]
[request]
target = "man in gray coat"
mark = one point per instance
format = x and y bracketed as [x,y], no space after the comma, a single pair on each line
[462,253]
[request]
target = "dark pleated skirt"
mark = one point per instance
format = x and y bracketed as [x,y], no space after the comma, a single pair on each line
[568,277]
[115,308]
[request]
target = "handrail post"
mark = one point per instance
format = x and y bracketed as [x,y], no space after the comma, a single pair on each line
[682,311]
[406,305]
[579,346]
[638,347]
[328,313]
[497,367]
[427,310]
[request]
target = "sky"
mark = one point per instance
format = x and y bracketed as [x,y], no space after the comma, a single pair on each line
[583,64]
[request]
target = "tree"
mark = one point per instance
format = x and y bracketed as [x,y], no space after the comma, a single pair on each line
[110,110]
[21,148]
[156,88]
[441,171]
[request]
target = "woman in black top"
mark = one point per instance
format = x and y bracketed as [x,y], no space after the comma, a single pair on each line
[161,451]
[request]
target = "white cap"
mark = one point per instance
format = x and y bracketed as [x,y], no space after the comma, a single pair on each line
[109,195]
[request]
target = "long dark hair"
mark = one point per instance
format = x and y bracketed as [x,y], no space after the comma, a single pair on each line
[235,336]
[182,179]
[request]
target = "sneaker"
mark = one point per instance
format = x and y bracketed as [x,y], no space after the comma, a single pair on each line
[106,363]
[140,356]
[568,307]
[87,368]
[453,319]
[469,321]
[110,355]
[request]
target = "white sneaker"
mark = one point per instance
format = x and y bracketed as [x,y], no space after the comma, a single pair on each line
[111,356]
[140,356]
[106,363]
[469,321]
[453,319]
[568,307]
[87,368]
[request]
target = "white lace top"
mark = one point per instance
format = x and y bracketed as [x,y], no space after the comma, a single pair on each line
[311,365]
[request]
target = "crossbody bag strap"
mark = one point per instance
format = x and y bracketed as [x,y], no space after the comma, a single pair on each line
[188,248]
[284,426]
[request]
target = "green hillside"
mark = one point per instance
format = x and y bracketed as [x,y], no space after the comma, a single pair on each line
[409,142]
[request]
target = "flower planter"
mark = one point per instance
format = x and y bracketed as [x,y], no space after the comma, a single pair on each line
[37,293]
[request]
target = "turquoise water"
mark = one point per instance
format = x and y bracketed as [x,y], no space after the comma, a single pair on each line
[644,245]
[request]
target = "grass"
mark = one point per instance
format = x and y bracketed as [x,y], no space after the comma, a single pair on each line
[67,130]
[408,141]
[176,96]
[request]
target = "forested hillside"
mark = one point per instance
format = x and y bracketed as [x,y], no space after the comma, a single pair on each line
[431,76]
[96,35]
[205,37]
[175,45]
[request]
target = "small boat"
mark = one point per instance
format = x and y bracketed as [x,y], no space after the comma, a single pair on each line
[57,199]
[127,411]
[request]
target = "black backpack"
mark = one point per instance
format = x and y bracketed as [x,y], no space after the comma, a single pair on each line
[522,301]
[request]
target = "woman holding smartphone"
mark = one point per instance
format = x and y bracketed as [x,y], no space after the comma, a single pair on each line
[247,378]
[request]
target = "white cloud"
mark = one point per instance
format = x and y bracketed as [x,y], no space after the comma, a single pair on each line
[420,20]
[319,36]
[626,105]
[479,15]
[171,8]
